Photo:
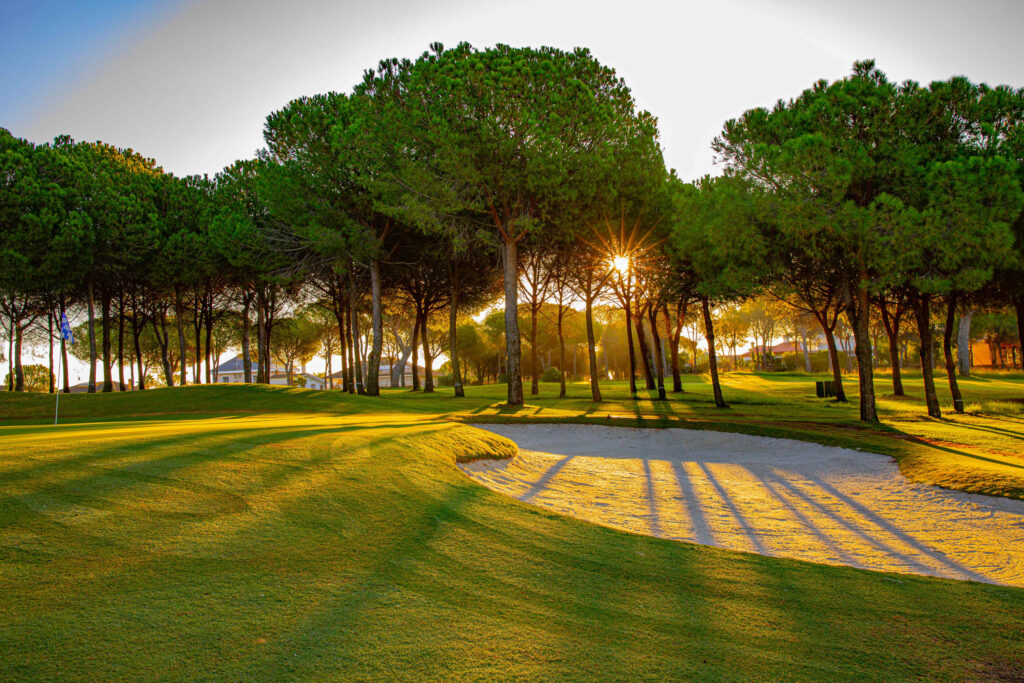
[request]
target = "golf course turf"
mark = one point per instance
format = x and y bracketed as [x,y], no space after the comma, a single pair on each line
[253,532]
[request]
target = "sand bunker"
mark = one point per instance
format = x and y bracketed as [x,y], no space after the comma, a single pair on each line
[769,496]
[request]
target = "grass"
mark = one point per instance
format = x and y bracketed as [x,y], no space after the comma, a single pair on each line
[271,533]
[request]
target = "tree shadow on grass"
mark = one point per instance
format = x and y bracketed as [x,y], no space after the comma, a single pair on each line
[914,439]
[991,430]
[97,488]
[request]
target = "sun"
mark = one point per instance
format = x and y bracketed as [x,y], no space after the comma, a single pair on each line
[621,263]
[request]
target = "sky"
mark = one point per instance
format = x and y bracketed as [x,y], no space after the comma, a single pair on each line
[190,82]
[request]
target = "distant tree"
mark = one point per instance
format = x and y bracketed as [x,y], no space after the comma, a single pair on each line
[37,379]
[716,240]
[23,243]
[734,326]
[764,318]
[535,288]
[297,341]
[322,320]
[564,260]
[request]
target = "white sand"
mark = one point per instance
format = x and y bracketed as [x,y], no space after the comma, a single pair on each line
[769,496]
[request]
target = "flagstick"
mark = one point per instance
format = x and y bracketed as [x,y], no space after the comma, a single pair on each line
[56,407]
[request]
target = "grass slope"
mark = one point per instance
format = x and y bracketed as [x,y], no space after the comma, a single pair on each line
[250,532]
[980,452]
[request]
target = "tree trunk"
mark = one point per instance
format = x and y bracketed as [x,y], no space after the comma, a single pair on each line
[947,352]
[652,316]
[261,340]
[108,378]
[416,349]
[595,387]
[629,347]
[49,343]
[120,341]
[805,343]
[858,315]
[513,348]
[373,367]
[677,331]
[1018,305]
[922,313]
[709,331]
[534,369]
[246,342]
[137,345]
[661,347]
[833,355]
[963,343]
[92,338]
[179,314]
[19,371]
[561,353]
[645,349]
[428,359]
[351,352]
[398,367]
[341,314]
[197,338]
[891,322]
[10,355]
[208,324]
[353,308]
[453,336]
[165,341]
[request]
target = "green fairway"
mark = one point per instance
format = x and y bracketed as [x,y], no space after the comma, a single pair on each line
[266,533]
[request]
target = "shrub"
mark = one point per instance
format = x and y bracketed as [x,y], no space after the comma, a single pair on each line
[37,378]
[551,374]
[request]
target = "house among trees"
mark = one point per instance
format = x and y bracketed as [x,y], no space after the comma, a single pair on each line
[383,377]
[991,353]
[310,381]
[786,347]
[234,371]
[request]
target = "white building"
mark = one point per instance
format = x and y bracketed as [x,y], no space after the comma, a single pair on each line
[383,377]
[234,371]
[311,381]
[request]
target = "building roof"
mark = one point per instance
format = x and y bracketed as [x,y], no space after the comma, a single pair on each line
[784,347]
[233,365]
[384,368]
[236,365]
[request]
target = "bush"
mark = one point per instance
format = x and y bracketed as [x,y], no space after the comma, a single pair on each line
[551,374]
[37,378]
[791,362]
[445,380]
[502,378]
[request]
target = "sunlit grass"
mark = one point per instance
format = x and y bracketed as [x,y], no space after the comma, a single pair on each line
[256,532]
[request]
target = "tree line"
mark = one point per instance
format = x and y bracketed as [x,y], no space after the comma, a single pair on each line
[441,184]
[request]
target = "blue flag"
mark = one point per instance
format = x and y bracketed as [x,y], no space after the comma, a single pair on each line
[65,329]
